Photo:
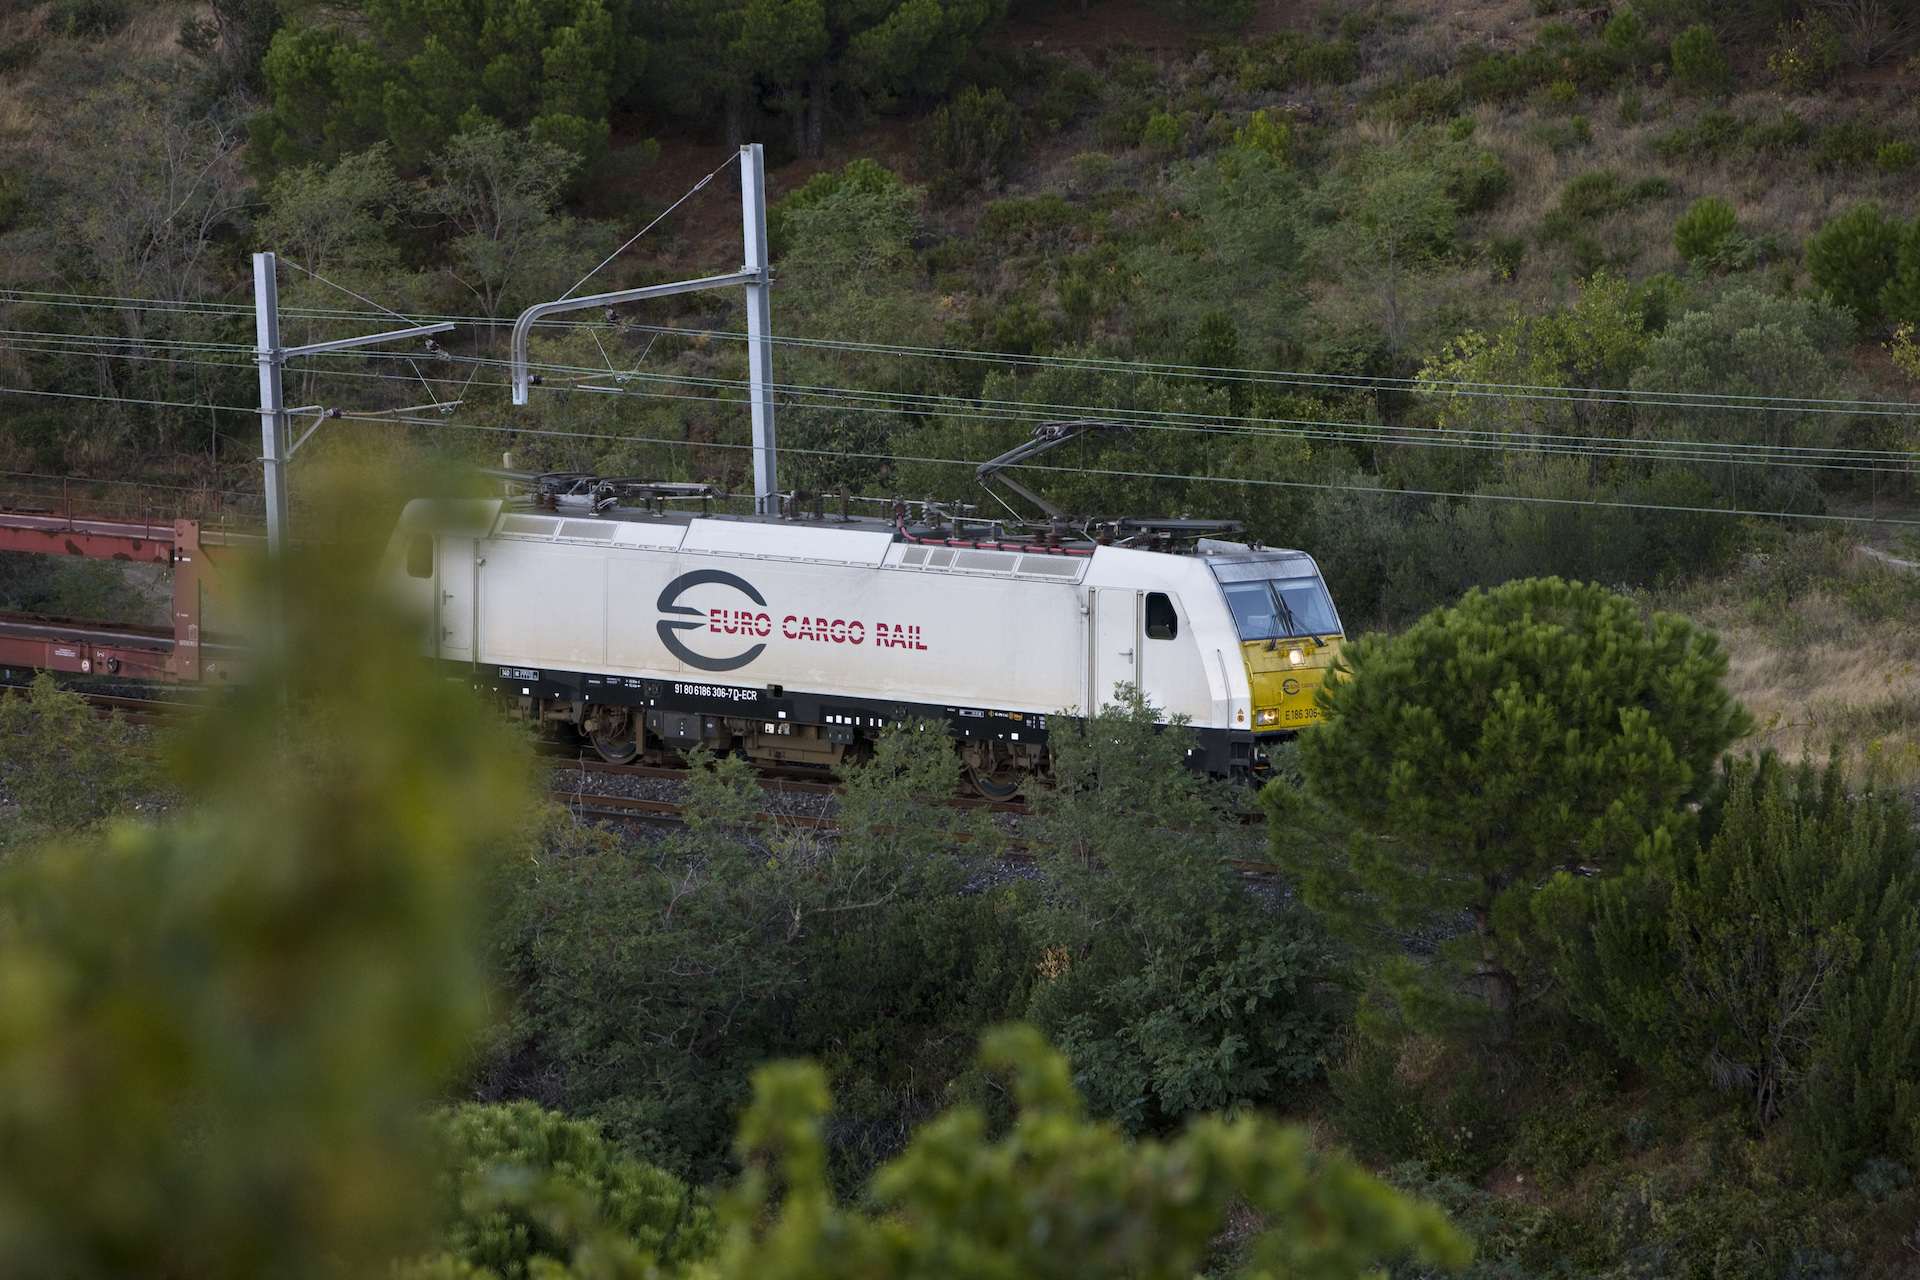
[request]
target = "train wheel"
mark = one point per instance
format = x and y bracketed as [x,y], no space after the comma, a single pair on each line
[1003,785]
[620,742]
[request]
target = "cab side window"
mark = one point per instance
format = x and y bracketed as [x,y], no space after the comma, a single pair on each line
[1162,622]
[420,556]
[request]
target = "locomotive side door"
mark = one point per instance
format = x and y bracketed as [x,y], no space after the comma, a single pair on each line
[1113,637]
[455,598]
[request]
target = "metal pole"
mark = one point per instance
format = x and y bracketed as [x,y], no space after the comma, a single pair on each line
[273,407]
[753,214]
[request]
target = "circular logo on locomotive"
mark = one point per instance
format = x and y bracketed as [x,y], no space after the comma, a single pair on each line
[709,619]
[1290,687]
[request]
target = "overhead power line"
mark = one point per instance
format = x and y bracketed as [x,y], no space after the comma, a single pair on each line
[1161,369]
[1245,481]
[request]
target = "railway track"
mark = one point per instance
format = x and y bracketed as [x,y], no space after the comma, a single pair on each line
[628,810]
[599,806]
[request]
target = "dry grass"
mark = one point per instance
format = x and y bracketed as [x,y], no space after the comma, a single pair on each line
[1821,679]
[66,68]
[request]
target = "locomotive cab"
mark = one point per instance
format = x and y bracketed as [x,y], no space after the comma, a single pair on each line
[1289,634]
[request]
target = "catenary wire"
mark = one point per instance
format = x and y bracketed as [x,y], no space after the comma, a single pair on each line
[1346,382]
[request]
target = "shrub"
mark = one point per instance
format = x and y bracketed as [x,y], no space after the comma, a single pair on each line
[1717,132]
[1750,341]
[1562,135]
[1769,959]
[64,766]
[1264,133]
[1066,95]
[1331,62]
[1896,157]
[1056,1196]
[1626,36]
[971,141]
[1486,76]
[1900,297]
[1675,142]
[1805,54]
[81,19]
[1850,144]
[1851,259]
[1163,957]
[1164,135]
[1707,233]
[517,1183]
[861,176]
[1698,63]
[1007,220]
[1507,253]
[1435,98]
[1594,194]
[1480,183]
[1779,135]
[654,978]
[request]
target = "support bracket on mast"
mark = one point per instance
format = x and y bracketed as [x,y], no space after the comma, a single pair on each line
[756,276]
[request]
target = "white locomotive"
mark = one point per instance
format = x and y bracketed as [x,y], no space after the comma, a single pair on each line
[794,639]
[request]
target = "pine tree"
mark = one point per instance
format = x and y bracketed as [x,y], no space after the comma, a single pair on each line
[1540,726]
[1777,958]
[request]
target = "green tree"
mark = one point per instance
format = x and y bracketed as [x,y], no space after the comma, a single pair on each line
[1698,63]
[1708,233]
[1539,726]
[795,56]
[519,1187]
[1900,296]
[1852,258]
[1401,221]
[1777,958]
[1593,344]
[658,977]
[1058,1196]
[1748,342]
[499,194]
[972,140]
[220,1032]
[423,72]
[61,763]
[331,217]
[1171,988]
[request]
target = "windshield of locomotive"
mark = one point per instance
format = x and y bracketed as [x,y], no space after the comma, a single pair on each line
[1281,610]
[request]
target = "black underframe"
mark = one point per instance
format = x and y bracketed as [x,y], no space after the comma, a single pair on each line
[1223,752]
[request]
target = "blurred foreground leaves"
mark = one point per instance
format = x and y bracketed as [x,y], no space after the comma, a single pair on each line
[217,1034]
[1059,1196]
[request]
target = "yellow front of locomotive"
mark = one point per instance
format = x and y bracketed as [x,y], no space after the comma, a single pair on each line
[1285,675]
[1289,631]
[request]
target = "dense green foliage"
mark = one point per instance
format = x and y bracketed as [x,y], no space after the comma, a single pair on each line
[1172,989]
[220,1029]
[1057,1196]
[64,766]
[657,977]
[1775,958]
[1851,259]
[1539,726]
[519,1187]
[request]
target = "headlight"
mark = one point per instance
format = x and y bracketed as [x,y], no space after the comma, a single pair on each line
[1297,657]
[1267,717]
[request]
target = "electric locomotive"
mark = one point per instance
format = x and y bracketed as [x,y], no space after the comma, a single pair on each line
[793,638]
